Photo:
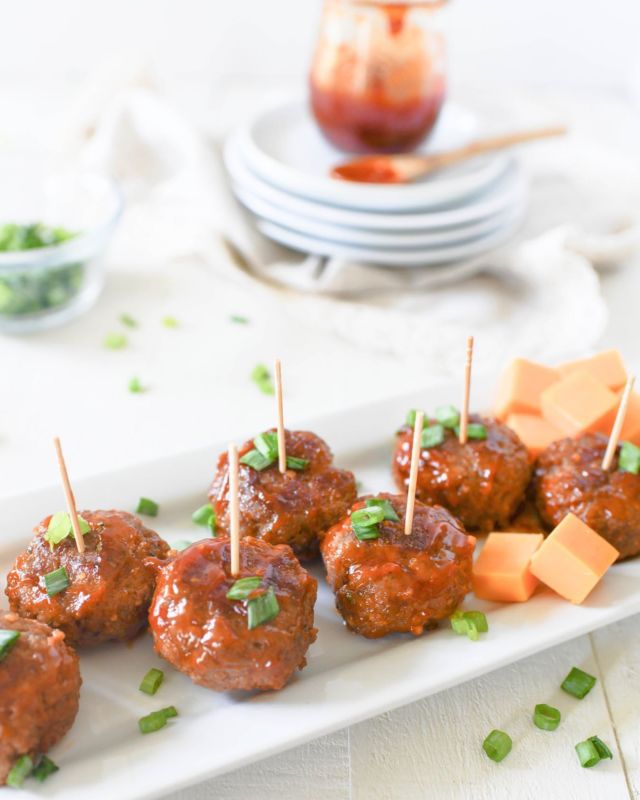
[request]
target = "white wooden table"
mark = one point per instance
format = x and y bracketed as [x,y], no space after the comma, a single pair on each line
[199,388]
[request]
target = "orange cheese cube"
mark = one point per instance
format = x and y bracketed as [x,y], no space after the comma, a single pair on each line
[535,432]
[520,387]
[579,404]
[572,559]
[606,367]
[501,571]
[631,426]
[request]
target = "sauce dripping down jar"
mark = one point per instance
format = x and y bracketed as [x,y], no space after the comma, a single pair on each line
[378,75]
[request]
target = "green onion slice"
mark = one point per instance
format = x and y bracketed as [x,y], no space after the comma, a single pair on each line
[44,768]
[469,623]
[205,515]
[128,320]
[239,319]
[578,683]
[267,444]
[8,638]
[629,458]
[115,341]
[448,416]
[156,719]
[433,435]
[601,747]
[475,430]
[387,509]
[587,753]
[56,581]
[152,681]
[135,386]
[256,460]
[60,527]
[545,717]
[265,453]
[366,517]
[243,588]
[497,745]
[365,532]
[262,609]
[411,417]
[148,507]
[19,772]
[297,463]
[170,322]
[262,379]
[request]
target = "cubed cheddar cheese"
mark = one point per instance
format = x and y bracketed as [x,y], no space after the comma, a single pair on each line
[521,386]
[606,367]
[535,432]
[501,571]
[631,426]
[572,559]
[580,404]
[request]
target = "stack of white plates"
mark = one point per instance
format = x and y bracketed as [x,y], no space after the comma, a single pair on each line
[280,164]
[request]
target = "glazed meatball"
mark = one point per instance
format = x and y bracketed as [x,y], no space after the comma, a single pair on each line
[295,508]
[110,587]
[39,690]
[206,635]
[481,482]
[398,583]
[568,477]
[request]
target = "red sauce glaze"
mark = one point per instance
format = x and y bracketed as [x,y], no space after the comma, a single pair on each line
[482,482]
[205,635]
[398,583]
[367,170]
[39,690]
[295,508]
[568,478]
[110,589]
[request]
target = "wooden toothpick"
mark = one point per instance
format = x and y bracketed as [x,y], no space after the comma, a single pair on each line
[234,510]
[71,500]
[607,461]
[282,451]
[413,473]
[464,414]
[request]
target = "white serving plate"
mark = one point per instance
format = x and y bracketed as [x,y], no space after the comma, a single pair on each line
[284,146]
[348,678]
[495,199]
[374,239]
[396,257]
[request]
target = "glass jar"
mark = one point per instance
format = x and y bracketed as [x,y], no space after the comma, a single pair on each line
[378,75]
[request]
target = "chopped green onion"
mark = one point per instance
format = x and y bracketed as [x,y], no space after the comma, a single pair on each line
[262,379]
[8,638]
[601,747]
[448,416]
[156,719]
[587,753]
[387,509]
[44,768]
[56,581]
[629,458]
[135,386]
[60,527]
[411,417]
[297,463]
[365,532]
[115,341]
[148,507]
[545,717]
[256,460]
[128,320]
[181,544]
[152,681]
[262,609]
[433,436]
[267,444]
[170,322]
[497,745]
[366,517]
[205,515]
[19,772]
[578,683]
[243,588]
[469,623]
[475,430]
[239,319]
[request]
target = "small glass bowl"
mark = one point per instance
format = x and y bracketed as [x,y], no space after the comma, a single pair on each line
[47,286]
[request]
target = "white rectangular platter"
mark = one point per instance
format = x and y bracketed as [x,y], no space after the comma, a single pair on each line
[348,678]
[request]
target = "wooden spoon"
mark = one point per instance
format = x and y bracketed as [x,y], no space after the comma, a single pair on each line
[406,168]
